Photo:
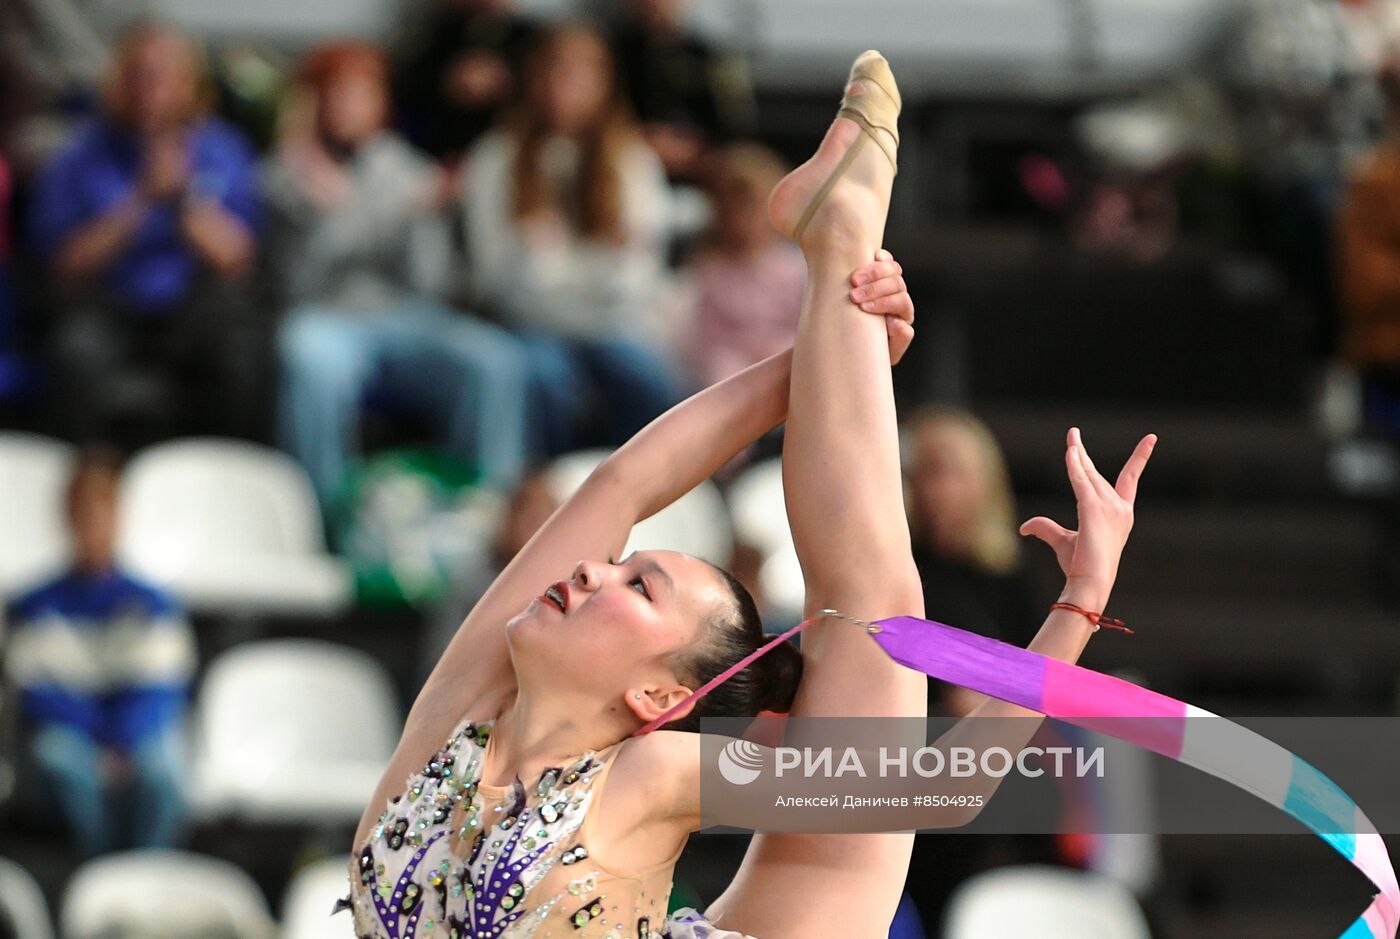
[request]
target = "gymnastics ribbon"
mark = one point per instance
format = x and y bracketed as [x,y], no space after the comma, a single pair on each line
[1120,709]
[1112,706]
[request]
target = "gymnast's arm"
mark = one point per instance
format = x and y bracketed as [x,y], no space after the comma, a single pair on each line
[1089,558]
[661,463]
[665,460]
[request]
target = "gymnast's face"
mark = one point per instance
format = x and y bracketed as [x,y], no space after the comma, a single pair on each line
[613,627]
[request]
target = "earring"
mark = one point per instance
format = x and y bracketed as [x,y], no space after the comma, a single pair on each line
[637,696]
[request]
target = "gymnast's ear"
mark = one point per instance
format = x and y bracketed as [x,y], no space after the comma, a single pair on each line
[650,702]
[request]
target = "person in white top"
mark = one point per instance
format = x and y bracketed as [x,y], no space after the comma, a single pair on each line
[566,213]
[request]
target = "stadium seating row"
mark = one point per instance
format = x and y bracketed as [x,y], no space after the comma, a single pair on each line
[234,528]
[176,895]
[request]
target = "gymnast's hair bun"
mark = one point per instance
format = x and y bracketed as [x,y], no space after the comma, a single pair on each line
[781,673]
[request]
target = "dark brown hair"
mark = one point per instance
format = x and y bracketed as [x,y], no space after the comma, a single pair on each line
[595,205]
[733,631]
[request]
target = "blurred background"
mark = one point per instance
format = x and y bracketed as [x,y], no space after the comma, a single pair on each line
[311,312]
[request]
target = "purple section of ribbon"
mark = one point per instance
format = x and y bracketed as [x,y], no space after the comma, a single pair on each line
[955,655]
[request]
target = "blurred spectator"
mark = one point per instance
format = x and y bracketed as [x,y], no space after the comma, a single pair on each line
[566,214]
[967,548]
[747,278]
[53,57]
[362,255]
[464,69]
[5,191]
[687,95]
[1304,74]
[14,372]
[1138,151]
[966,544]
[1129,216]
[146,222]
[103,664]
[1368,261]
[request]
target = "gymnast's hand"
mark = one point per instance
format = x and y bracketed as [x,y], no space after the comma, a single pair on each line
[1089,556]
[878,288]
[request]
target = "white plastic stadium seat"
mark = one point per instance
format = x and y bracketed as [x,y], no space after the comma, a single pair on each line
[760,519]
[230,527]
[782,585]
[294,730]
[1045,902]
[22,902]
[696,524]
[760,515]
[158,894]
[312,894]
[34,474]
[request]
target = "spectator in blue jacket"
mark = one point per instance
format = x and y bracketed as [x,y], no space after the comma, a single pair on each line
[103,663]
[146,222]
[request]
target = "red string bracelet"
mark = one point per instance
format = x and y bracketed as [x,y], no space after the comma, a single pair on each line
[1098,619]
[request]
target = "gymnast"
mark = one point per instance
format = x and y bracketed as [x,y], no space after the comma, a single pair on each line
[546,812]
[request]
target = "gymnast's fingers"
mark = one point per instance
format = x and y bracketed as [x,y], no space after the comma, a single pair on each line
[898,304]
[901,335]
[885,286]
[1132,470]
[1101,485]
[1078,476]
[1047,530]
[874,271]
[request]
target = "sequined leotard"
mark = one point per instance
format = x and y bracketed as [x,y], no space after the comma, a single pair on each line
[454,858]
